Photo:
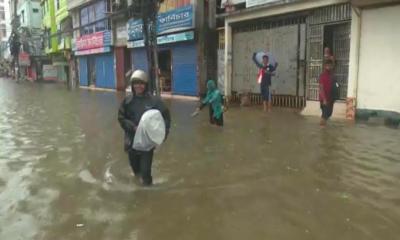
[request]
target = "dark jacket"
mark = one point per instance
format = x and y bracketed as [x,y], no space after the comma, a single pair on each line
[131,111]
[265,71]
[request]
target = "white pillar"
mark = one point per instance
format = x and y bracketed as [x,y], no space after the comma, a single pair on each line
[354,52]
[351,101]
[228,59]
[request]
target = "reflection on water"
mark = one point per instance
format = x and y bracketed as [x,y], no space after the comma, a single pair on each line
[64,175]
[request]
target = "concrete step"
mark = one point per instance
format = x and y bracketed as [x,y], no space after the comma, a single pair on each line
[313,109]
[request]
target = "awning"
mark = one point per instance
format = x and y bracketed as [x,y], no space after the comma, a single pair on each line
[371,3]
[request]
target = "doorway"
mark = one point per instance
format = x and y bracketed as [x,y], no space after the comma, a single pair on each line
[337,38]
[91,71]
[165,66]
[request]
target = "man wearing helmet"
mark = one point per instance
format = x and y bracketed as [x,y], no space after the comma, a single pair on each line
[129,115]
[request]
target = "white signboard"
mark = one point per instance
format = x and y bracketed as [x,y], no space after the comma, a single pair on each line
[49,73]
[171,38]
[252,3]
[122,33]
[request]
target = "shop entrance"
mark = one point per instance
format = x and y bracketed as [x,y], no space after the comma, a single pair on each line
[91,71]
[165,66]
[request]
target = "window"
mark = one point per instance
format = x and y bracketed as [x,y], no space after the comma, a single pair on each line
[84,20]
[35,10]
[3,32]
[93,18]
[57,4]
[23,16]
[100,14]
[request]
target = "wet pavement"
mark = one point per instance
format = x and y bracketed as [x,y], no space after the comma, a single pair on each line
[64,174]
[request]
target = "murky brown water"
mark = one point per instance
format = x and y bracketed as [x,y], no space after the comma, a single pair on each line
[261,177]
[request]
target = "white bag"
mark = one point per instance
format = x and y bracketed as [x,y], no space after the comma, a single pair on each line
[151,131]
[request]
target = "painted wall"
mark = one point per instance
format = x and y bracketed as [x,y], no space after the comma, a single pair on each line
[75,3]
[49,22]
[379,73]
[31,14]
[61,11]
[168,5]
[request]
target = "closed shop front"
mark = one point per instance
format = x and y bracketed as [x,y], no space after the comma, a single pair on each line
[96,60]
[177,49]
[97,71]
[177,63]
[284,39]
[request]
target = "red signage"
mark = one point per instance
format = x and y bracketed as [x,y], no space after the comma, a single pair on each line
[24,59]
[90,41]
[94,40]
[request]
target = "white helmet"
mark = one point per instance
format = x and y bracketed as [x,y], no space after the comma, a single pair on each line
[139,76]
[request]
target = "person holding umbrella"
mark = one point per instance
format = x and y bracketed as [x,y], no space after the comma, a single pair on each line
[266,71]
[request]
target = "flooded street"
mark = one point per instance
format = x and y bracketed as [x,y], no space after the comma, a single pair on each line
[64,174]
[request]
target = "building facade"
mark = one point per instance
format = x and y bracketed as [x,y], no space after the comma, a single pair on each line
[29,18]
[375,92]
[186,45]
[93,43]
[107,46]
[5,29]
[296,32]
[57,26]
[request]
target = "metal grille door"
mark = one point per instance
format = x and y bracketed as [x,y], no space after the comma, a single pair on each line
[337,16]
[315,55]
[341,50]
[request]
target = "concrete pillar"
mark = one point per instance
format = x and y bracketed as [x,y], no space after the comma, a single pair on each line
[353,63]
[228,59]
[201,52]
[212,42]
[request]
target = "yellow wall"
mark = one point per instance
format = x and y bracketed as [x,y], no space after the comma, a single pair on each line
[169,5]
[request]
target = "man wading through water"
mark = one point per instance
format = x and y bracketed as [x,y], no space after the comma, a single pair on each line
[328,92]
[129,115]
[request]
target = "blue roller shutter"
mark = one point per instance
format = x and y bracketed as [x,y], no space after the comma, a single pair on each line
[105,71]
[184,79]
[139,58]
[83,71]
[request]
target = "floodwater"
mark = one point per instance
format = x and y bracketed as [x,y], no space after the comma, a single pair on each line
[64,174]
